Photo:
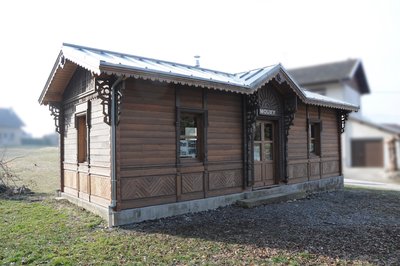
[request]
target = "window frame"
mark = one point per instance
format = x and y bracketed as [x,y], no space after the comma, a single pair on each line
[314,126]
[201,134]
[262,141]
[82,158]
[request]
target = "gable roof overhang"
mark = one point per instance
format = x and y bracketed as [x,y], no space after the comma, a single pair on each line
[381,127]
[344,71]
[106,62]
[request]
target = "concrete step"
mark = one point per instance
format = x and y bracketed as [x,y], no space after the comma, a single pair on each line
[268,199]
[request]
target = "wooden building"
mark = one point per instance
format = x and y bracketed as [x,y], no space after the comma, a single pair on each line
[370,150]
[142,138]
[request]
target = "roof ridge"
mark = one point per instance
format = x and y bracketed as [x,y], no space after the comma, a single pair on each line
[254,69]
[326,64]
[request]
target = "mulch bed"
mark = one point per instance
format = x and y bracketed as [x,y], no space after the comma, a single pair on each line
[351,225]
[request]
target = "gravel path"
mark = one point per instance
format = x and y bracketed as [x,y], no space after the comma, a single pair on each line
[354,225]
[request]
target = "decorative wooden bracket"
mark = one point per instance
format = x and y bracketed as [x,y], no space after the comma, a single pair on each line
[288,117]
[103,88]
[343,116]
[252,106]
[55,110]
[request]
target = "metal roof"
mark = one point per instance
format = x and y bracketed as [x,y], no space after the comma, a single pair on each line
[102,61]
[9,119]
[332,72]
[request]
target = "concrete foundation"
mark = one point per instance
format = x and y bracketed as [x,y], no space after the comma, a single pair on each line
[166,210]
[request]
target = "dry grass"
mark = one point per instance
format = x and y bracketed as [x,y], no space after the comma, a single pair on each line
[36,166]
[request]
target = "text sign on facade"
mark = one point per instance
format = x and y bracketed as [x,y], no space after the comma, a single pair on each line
[267,111]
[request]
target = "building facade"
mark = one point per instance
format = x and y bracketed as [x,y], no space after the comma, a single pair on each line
[143,138]
[370,150]
[11,132]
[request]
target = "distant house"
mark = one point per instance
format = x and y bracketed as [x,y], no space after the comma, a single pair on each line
[366,145]
[142,138]
[11,132]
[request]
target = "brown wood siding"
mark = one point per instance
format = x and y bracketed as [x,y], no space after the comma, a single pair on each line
[330,151]
[297,139]
[302,166]
[297,168]
[147,124]
[89,183]
[225,134]
[147,145]
[225,143]
[191,97]
[367,152]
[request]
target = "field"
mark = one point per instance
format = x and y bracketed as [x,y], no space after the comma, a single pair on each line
[350,227]
[38,167]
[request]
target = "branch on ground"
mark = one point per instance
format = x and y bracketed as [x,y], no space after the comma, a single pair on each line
[9,180]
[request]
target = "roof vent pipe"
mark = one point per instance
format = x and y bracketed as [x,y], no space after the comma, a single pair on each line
[197,57]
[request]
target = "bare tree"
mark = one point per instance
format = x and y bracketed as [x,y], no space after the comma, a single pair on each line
[8,179]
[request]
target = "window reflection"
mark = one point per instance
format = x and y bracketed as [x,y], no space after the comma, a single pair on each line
[257,152]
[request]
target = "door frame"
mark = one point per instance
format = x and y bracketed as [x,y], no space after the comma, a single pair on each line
[263,162]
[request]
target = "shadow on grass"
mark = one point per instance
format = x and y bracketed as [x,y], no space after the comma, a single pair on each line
[353,224]
[27,197]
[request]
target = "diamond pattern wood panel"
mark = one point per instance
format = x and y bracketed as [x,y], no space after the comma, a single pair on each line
[225,179]
[148,186]
[192,182]
[100,186]
[314,169]
[83,182]
[330,167]
[70,179]
[297,170]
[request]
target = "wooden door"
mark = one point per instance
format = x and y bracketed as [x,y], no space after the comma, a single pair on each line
[367,152]
[265,139]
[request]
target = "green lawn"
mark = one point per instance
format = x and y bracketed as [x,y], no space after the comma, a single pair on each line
[57,233]
[41,230]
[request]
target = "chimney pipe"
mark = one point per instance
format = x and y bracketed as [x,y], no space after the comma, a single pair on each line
[197,57]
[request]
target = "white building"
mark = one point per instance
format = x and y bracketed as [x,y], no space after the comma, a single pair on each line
[11,125]
[370,150]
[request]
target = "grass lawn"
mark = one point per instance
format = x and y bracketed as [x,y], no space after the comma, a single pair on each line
[38,167]
[57,233]
[41,230]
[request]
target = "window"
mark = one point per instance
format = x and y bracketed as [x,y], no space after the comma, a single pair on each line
[367,152]
[190,131]
[315,138]
[263,141]
[82,138]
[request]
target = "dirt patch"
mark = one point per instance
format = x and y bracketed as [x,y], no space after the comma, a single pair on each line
[352,225]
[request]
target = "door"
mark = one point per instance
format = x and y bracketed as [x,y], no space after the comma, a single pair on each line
[367,152]
[265,139]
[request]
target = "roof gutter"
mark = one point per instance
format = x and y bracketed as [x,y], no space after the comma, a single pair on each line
[113,204]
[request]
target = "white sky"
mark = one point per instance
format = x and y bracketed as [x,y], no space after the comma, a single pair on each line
[230,36]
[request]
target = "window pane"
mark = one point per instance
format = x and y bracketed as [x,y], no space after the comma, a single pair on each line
[188,136]
[82,139]
[268,153]
[257,152]
[312,130]
[267,132]
[257,132]
[312,146]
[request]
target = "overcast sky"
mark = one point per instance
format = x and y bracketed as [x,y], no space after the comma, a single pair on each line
[230,36]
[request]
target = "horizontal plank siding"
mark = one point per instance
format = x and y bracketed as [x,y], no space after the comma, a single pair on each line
[147,124]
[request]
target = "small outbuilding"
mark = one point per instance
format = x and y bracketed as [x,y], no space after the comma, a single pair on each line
[142,138]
